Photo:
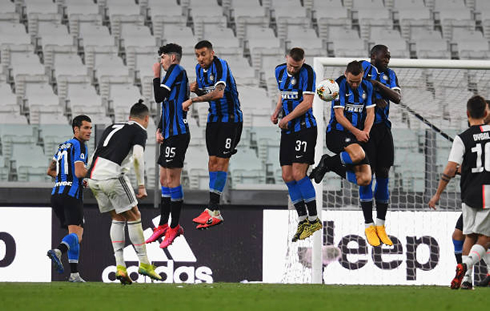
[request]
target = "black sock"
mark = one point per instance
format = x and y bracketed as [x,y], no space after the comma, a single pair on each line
[300,208]
[311,208]
[367,211]
[63,248]
[176,207]
[73,267]
[214,201]
[459,258]
[164,210]
[335,165]
[381,209]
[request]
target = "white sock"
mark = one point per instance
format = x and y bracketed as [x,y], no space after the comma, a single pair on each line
[369,224]
[380,222]
[136,236]
[312,218]
[476,253]
[301,218]
[118,241]
[469,271]
[487,260]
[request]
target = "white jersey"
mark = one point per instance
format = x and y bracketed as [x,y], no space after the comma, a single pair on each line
[113,156]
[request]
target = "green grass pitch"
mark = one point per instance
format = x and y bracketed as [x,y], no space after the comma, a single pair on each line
[232,296]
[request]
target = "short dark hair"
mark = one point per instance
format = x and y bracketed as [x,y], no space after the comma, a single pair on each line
[171,48]
[78,120]
[139,110]
[298,54]
[476,107]
[378,48]
[354,67]
[203,44]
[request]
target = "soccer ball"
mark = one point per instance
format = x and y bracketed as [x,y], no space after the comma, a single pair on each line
[328,90]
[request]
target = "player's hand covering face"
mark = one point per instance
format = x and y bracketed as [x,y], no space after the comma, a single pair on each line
[204,57]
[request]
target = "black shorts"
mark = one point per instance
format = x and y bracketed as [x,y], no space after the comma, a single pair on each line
[459,223]
[338,140]
[379,148]
[69,210]
[298,147]
[172,151]
[222,138]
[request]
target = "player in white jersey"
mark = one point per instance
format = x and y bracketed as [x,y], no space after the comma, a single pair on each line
[120,147]
[469,151]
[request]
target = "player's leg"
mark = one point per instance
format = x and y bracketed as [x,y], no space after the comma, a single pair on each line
[486,280]
[383,141]
[162,227]
[458,240]
[135,231]
[76,232]
[296,199]
[177,199]
[55,253]
[366,197]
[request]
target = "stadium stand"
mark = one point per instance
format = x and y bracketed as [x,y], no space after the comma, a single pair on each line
[66,57]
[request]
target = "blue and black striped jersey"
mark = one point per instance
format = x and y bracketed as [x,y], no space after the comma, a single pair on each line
[389,79]
[66,182]
[226,109]
[174,118]
[292,89]
[354,102]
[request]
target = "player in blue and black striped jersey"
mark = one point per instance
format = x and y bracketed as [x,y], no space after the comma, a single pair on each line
[296,83]
[68,168]
[173,135]
[379,149]
[351,119]
[216,85]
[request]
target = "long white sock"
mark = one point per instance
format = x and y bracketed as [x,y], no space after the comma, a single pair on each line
[135,230]
[486,258]
[118,238]
[476,253]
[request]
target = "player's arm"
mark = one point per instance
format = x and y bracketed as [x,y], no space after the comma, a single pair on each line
[340,117]
[368,123]
[160,91]
[449,172]
[80,169]
[139,168]
[275,114]
[300,110]
[217,93]
[52,169]
[393,95]
[195,89]
[455,160]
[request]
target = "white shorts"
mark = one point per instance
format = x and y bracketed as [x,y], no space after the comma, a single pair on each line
[113,194]
[476,221]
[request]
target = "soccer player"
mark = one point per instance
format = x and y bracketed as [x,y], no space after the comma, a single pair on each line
[379,149]
[68,169]
[215,84]
[469,152]
[296,83]
[351,119]
[120,147]
[173,135]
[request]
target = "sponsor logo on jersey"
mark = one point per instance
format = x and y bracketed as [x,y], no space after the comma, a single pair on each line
[289,94]
[354,108]
[63,183]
